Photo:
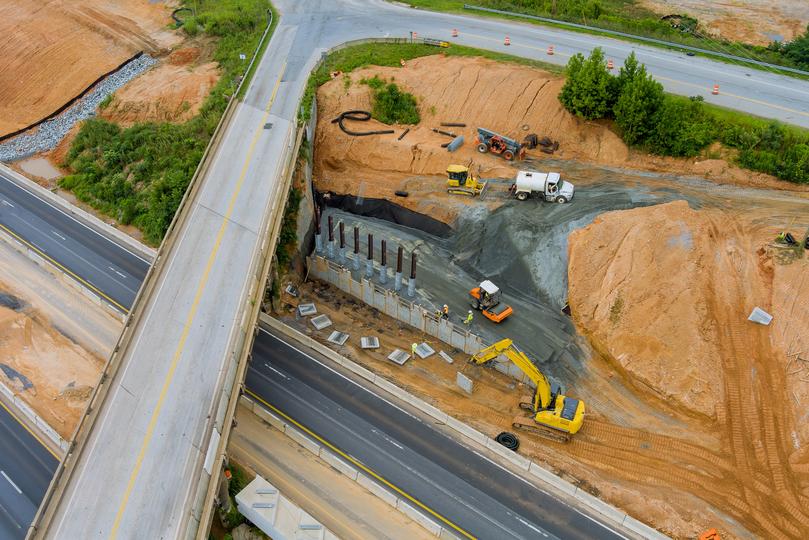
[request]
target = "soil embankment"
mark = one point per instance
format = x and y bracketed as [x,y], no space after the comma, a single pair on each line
[510,99]
[665,291]
[53,49]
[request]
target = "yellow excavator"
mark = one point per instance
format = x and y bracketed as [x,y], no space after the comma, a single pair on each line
[461,181]
[555,416]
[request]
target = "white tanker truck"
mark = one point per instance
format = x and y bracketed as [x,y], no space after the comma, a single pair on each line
[549,186]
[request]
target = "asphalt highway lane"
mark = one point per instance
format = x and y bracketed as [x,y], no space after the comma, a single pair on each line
[26,468]
[99,263]
[469,490]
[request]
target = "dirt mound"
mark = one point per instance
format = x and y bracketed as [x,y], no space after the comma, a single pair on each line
[51,373]
[665,291]
[750,21]
[453,89]
[53,49]
[638,286]
[172,92]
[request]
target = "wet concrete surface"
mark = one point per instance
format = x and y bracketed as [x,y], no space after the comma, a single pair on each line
[522,247]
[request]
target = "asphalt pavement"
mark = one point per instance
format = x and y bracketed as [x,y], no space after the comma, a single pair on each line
[99,263]
[26,468]
[458,483]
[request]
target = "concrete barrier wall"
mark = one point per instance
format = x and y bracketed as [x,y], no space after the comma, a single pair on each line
[353,471]
[34,418]
[468,434]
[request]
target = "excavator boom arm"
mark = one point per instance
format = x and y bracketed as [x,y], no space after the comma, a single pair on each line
[518,358]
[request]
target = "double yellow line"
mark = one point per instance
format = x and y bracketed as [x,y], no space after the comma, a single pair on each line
[51,260]
[361,466]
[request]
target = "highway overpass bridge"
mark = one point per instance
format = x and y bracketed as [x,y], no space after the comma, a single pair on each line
[152,439]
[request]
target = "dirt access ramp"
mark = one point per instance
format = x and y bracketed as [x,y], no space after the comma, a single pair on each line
[53,49]
[665,292]
[749,21]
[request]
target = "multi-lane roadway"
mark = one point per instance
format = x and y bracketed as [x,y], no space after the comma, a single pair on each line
[26,468]
[153,429]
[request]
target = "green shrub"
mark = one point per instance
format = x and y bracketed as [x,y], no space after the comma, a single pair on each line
[589,91]
[638,102]
[682,128]
[393,106]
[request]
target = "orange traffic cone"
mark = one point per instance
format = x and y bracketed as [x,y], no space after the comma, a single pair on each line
[415,35]
[454,32]
[610,65]
[507,41]
[715,90]
[550,50]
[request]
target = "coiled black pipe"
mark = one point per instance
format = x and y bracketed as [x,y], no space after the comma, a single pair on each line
[359,116]
[509,440]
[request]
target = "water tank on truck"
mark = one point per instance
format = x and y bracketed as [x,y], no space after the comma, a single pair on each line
[549,186]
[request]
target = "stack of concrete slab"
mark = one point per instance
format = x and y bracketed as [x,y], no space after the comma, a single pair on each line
[424,350]
[320,322]
[304,310]
[369,342]
[338,338]
[399,357]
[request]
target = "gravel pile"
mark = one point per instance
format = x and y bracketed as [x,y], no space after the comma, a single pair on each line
[48,134]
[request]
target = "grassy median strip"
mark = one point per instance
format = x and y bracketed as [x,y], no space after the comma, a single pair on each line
[138,175]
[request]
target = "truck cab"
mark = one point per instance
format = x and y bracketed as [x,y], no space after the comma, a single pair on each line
[549,186]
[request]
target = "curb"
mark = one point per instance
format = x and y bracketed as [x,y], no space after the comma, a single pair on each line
[464,431]
[85,218]
[346,469]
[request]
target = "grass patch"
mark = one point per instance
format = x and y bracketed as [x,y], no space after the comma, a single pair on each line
[138,175]
[616,309]
[288,236]
[390,54]
[623,16]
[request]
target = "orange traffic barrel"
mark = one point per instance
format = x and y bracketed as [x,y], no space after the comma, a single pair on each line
[550,49]
[507,41]
[454,32]
[715,90]
[610,65]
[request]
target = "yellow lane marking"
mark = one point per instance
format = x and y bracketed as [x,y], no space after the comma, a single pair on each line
[34,435]
[743,98]
[42,254]
[516,44]
[192,312]
[356,463]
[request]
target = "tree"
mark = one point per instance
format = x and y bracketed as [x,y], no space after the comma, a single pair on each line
[638,102]
[682,128]
[629,71]
[797,50]
[588,91]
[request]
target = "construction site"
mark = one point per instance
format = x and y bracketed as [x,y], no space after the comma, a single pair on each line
[650,314]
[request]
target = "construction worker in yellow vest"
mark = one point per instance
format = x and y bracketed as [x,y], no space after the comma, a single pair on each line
[468,319]
[413,348]
[445,312]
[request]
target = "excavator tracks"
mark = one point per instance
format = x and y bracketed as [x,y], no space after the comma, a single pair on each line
[526,423]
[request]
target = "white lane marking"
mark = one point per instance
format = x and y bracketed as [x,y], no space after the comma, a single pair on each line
[490,460]
[530,526]
[74,219]
[117,272]
[58,235]
[268,366]
[10,482]
[7,203]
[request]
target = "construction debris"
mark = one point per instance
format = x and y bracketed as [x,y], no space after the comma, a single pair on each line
[405,132]
[760,316]
[442,132]
[453,124]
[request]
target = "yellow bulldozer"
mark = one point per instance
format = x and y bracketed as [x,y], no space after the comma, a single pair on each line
[555,416]
[461,181]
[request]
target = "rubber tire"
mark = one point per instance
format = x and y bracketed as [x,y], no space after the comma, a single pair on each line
[483,148]
[561,200]
[521,196]
[508,155]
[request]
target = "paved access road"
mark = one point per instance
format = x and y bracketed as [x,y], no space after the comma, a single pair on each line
[26,468]
[102,265]
[482,498]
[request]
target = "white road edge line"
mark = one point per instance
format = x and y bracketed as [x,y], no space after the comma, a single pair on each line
[10,482]
[490,460]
